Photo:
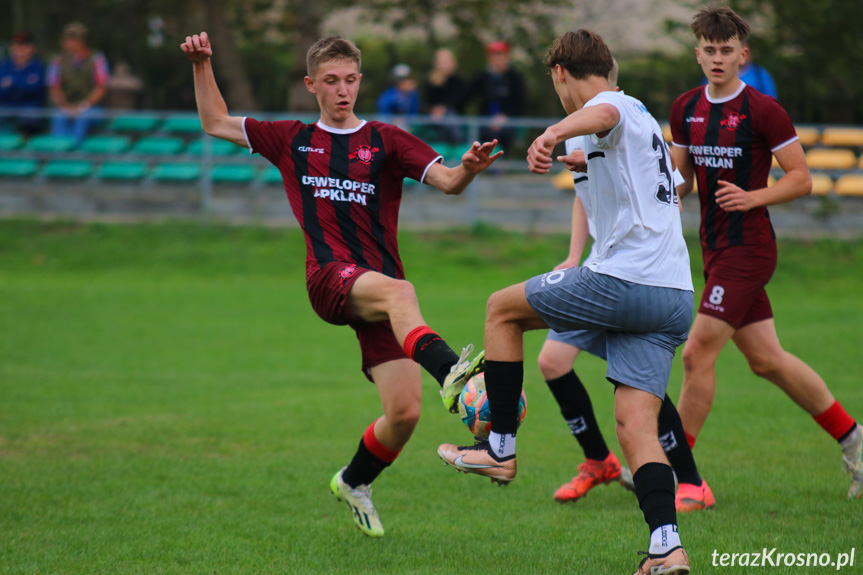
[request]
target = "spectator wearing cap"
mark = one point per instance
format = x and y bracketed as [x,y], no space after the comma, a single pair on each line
[77,79]
[501,91]
[22,84]
[402,98]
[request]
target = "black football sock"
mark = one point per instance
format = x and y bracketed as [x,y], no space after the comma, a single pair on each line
[654,488]
[429,350]
[673,441]
[577,410]
[503,382]
[364,467]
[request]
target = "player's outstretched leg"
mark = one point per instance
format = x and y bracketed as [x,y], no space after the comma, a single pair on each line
[359,499]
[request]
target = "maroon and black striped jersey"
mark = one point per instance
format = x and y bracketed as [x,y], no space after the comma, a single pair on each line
[344,186]
[731,139]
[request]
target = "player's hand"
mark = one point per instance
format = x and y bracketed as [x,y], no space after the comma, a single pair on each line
[197,47]
[539,153]
[732,198]
[566,264]
[480,157]
[574,162]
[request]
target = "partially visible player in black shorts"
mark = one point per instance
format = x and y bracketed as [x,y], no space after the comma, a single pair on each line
[725,135]
[343,177]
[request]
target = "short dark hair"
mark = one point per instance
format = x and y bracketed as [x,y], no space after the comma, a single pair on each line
[331,48]
[581,53]
[718,24]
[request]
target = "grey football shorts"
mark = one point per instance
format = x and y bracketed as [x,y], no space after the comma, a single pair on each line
[589,340]
[643,325]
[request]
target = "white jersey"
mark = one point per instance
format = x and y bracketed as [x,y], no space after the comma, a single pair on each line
[635,214]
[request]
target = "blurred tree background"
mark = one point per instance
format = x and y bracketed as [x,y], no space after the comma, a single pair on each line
[813,48]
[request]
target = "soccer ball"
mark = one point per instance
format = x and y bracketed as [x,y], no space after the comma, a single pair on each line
[473,407]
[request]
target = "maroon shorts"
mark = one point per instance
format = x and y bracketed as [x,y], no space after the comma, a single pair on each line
[328,292]
[735,278]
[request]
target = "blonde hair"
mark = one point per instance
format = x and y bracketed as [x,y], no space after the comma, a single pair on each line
[329,49]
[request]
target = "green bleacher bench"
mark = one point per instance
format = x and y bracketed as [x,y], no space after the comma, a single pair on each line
[182,124]
[50,144]
[136,124]
[10,142]
[67,169]
[153,145]
[18,168]
[176,172]
[233,173]
[271,175]
[105,144]
[128,171]
[219,147]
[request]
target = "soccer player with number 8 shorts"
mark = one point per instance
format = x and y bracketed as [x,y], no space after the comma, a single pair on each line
[725,135]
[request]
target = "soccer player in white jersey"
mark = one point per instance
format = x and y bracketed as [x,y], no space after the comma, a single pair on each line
[637,288]
[560,351]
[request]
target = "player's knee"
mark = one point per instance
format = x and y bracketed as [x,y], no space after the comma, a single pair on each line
[695,357]
[766,366]
[404,417]
[496,310]
[551,367]
[401,293]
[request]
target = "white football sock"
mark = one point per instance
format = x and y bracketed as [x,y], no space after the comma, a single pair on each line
[664,539]
[502,445]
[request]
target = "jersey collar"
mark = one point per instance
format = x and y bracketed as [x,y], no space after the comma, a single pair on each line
[332,130]
[736,93]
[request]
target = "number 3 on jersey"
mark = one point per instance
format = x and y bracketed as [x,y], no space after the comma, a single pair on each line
[665,193]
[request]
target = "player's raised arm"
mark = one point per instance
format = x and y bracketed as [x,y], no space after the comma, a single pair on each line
[591,120]
[212,109]
[453,181]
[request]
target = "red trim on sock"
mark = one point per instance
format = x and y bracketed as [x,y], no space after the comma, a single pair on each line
[689,439]
[414,336]
[835,421]
[377,448]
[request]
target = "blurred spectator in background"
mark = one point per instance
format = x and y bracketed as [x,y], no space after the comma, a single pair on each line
[22,84]
[502,94]
[756,75]
[124,88]
[77,79]
[444,95]
[402,98]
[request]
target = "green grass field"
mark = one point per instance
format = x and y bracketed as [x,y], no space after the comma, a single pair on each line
[169,404]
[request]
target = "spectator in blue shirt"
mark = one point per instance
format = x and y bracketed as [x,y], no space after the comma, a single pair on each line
[402,98]
[22,83]
[756,75]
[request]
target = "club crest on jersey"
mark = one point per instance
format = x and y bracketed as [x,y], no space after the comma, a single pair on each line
[365,154]
[733,121]
[345,273]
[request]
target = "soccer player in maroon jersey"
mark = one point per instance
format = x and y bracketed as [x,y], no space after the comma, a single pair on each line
[343,177]
[725,134]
